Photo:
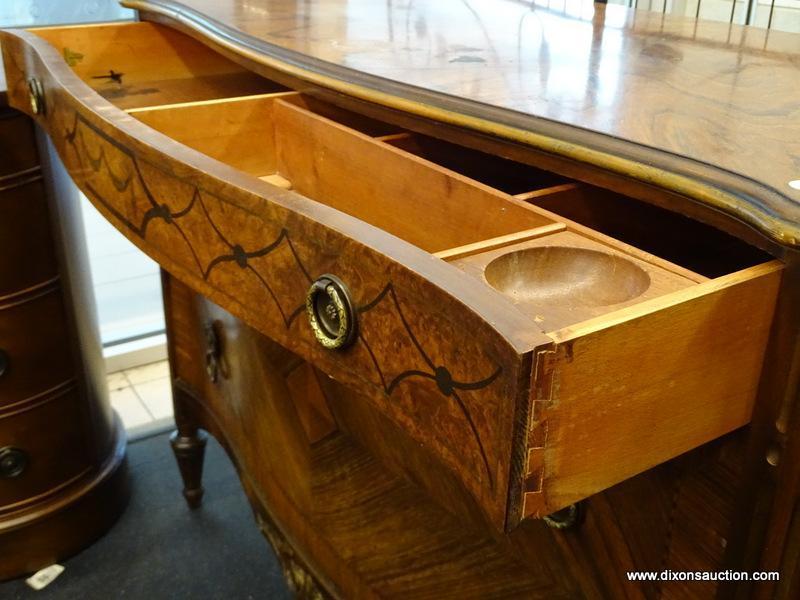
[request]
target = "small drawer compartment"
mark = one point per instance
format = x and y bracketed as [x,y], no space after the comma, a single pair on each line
[647,360]
[332,157]
[565,278]
[33,340]
[33,464]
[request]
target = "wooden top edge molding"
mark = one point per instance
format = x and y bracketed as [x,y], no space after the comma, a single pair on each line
[700,108]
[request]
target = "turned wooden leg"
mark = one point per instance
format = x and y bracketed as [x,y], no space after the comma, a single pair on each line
[189,447]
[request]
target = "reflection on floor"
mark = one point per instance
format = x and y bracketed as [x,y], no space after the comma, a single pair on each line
[142,397]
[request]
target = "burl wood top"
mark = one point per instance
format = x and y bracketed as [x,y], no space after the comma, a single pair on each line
[708,109]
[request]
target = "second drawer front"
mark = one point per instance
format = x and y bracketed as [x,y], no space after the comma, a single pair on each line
[34,355]
[26,251]
[44,447]
[17,142]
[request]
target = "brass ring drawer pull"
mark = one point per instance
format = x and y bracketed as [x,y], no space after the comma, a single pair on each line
[330,312]
[13,462]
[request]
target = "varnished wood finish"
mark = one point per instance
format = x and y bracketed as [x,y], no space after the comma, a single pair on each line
[564,278]
[53,404]
[638,400]
[707,106]
[475,399]
[64,523]
[23,208]
[241,241]
[249,245]
[189,451]
[350,510]
[20,160]
[33,325]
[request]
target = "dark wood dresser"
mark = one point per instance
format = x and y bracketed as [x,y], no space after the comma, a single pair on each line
[483,300]
[62,475]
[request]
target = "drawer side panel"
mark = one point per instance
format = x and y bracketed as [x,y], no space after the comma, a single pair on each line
[613,399]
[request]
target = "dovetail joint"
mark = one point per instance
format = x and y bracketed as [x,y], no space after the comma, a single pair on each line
[538,427]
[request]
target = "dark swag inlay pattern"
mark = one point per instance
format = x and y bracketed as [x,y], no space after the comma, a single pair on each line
[440,374]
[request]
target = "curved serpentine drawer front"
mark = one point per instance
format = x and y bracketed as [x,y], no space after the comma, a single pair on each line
[477,302]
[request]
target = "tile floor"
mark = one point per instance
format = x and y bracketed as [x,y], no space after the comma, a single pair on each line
[142,396]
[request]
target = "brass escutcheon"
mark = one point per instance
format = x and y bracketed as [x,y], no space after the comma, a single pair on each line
[330,312]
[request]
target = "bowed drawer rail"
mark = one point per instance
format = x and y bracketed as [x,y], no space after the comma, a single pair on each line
[488,313]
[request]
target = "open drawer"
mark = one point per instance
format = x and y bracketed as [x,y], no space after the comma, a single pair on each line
[486,311]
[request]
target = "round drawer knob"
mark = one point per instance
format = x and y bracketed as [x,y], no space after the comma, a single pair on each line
[36,93]
[330,312]
[13,462]
[5,362]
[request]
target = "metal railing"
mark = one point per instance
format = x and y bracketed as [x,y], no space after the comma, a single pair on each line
[770,14]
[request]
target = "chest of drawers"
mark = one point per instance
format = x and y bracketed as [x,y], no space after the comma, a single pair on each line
[62,476]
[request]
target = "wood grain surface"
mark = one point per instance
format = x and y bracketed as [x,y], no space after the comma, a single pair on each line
[168,69]
[405,464]
[293,188]
[686,365]
[365,511]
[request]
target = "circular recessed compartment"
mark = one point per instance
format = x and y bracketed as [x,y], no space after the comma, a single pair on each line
[562,274]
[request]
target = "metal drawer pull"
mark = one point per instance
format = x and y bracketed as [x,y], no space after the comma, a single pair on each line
[36,96]
[330,312]
[5,362]
[213,351]
[13,462]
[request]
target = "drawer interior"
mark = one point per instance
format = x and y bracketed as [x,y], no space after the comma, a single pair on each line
[458,196]
[345,161]
[562,251]
[142,64]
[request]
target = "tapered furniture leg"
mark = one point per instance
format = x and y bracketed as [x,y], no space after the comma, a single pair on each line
[189,448]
